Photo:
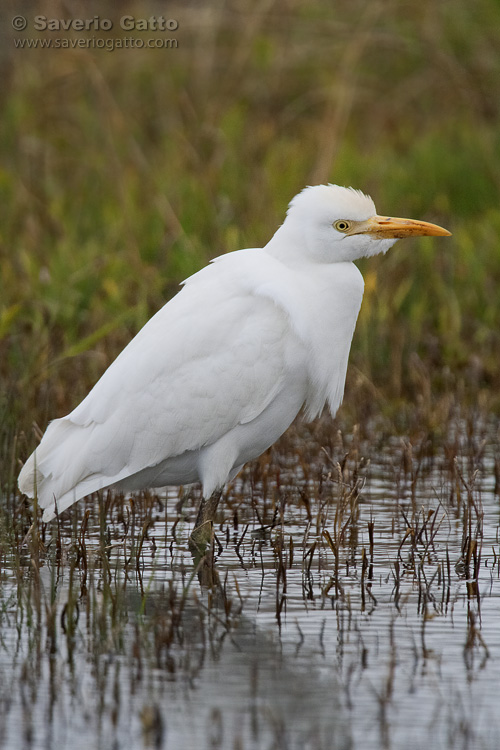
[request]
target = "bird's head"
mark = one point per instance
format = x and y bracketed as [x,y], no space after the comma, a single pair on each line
[333,224]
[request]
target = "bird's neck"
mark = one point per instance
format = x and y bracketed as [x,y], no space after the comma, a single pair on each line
[287,244]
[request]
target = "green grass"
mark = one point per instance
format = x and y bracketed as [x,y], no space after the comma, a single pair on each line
[124,172]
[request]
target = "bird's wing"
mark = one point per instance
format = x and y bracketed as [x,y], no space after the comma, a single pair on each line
[213,357]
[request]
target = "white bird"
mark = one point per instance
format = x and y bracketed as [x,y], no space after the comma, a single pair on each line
[221,371]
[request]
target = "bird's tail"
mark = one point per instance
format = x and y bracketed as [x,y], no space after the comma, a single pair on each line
[33,483]
[53,472]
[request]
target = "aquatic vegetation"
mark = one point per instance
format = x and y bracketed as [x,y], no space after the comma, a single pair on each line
[355,564]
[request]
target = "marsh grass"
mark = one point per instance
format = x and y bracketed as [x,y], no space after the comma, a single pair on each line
[367,533]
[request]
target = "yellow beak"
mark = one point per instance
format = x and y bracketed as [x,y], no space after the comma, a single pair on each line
[385,227]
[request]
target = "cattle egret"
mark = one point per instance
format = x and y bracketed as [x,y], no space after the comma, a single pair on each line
[221,371]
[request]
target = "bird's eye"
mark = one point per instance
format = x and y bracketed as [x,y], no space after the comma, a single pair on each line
[342,225]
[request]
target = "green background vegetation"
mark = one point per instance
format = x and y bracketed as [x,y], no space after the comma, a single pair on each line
[123,172]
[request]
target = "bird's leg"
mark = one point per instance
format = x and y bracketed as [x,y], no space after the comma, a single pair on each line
[201,541]
[201,536]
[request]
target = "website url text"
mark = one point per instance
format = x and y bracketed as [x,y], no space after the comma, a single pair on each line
[108,44]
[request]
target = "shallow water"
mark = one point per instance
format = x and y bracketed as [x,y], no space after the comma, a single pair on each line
[366,613]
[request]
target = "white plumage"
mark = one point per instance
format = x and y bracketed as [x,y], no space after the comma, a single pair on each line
[220,372]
